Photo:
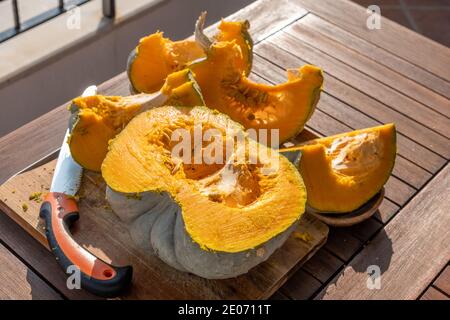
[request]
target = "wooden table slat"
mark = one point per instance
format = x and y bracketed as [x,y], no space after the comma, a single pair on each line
[351,98]
[342,243]
[18,282]
[371,77]
[278,295]
[301,286]
[325,126]
[392,37]
[434,294]
[366,229]
[323,265]
[396,190]
[396,82]
[378,55]
[36,255]
[386,211]
[443,281]
[437,125]
[410,251]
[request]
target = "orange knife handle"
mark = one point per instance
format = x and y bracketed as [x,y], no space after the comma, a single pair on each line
[59,212]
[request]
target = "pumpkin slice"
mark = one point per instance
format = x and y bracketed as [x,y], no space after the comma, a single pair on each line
[156,57]
[285,107]
[97,119]
[215,207]
[344,171]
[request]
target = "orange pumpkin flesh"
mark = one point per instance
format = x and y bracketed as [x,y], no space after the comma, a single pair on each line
[344,171]
[97,119]
[285,107]
[156,57]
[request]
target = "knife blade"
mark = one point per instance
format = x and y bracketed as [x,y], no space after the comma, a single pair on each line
[60,211]
[67,176]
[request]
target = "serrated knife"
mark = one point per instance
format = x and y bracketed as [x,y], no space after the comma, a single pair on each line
[60,211]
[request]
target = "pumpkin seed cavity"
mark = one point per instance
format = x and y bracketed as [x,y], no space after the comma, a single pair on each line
[355,155]
[230,181]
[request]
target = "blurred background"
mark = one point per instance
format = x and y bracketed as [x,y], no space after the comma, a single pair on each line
[50,50]
[428,17]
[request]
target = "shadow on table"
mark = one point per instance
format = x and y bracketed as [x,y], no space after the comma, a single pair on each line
[364,271]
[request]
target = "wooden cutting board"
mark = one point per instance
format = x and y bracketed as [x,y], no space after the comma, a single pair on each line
[100,231]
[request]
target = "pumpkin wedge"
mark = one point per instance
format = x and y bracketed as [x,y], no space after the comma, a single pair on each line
[216,219]
[97,119]
[344,171]
[285,107]
[155,57]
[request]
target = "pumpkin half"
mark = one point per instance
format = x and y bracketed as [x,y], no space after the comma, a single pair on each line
[285,107]
[155,57]
[216,219]
[97,119]
[344,171]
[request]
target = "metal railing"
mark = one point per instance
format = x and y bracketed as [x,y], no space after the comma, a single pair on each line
[109,11]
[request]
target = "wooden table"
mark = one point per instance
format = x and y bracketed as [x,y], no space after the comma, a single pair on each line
[371,77]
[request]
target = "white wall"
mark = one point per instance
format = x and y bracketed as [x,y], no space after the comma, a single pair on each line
[46,88]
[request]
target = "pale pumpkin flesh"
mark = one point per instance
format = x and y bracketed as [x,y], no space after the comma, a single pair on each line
[97,119]
[285,107]
[156,57]
[343,172]
[229,207]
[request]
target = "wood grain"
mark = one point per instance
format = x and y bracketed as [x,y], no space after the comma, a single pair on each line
[410,251]
[389,59]
[386,211]
[36,255]
[100,231]
[352,105]
[389,77]
[434,294]
[443,281]
[342,243]
[365,230]
[438,125]
[18,282]
[378,55]
[324,125]
[301,286]
[392,37]
[322,266]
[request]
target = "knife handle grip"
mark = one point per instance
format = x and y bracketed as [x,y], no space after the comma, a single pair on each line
[59,212]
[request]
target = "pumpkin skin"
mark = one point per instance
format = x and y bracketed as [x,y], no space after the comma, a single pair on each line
[95,120]
[155,57]
[344,171]
[213,220]
[286,107]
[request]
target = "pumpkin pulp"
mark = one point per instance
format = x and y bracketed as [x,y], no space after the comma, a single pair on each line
[156,57]
[226,206]
[97,119]
[285,107]
[344,171]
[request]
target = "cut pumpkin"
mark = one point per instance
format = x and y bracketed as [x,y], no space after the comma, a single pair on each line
[285,107]
[216,219]
[97,119]
[344,171]
[156,57]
